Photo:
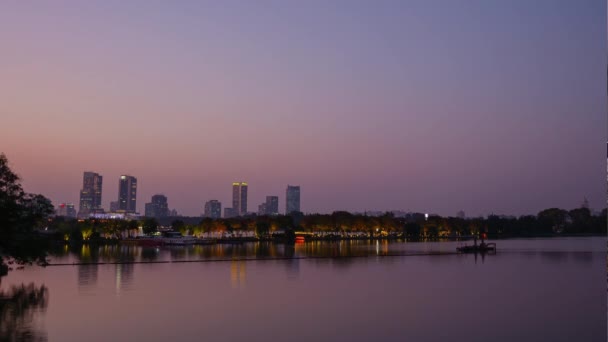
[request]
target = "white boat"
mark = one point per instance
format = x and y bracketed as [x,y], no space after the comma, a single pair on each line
[176,238]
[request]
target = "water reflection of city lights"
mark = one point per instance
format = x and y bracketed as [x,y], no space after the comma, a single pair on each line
[238,274]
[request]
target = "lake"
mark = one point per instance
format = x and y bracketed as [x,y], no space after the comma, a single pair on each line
[530,290]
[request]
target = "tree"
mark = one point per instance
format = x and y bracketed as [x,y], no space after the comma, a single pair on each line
[552,220]
[262,228]
[207,225]
[177,225]
[20,214]
[581,220]
[149,225]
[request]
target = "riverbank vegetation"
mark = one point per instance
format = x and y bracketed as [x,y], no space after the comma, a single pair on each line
[340,224]
[21,215]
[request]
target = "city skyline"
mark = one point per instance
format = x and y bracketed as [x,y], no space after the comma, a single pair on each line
[414,106]
[377,167]
[96,179]
[92,189]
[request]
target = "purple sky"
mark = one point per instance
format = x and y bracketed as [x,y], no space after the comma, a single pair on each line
[438,106]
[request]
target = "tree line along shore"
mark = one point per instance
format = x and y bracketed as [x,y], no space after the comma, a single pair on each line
[339,225]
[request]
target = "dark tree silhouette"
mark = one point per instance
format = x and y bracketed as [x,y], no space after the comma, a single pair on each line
[20,214]
[150,225]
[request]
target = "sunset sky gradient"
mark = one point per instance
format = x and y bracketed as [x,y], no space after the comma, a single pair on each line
[432,106]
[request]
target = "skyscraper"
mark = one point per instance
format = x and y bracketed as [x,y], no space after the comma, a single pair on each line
[127,194]
[158,207]
[272,205]
[239,198]
[292,199]
[90,195]
[213,209]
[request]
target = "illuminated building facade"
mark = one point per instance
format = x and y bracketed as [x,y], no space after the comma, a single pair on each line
[90,195]
[127,194]
[239,198]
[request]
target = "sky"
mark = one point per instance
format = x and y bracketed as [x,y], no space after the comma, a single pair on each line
[429,106]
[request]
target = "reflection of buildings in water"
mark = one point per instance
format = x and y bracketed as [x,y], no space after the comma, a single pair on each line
[238,274]
[292,268]
[87,275]
[584,257]
[554,257]
[293,264]
[123,276]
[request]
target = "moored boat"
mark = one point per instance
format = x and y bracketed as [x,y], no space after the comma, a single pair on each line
[143,241]
[483,247]
[176,238]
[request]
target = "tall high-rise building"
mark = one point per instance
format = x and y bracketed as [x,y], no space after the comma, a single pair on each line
[239,198]
[213,209]
[292,199]
[90,195]
[127,194]
[158,207]
[272,205]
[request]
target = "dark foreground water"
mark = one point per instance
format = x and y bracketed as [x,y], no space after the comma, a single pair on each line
[531,290]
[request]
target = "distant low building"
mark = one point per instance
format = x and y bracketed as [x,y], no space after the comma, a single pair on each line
[158,207]
[66,210]
[213,209]
[272,205]
[114,207]
[262,209]
[229,213]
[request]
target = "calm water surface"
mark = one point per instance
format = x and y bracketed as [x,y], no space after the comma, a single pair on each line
[531,290]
